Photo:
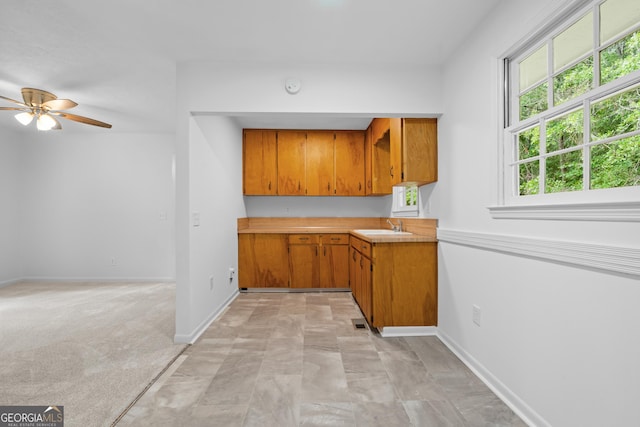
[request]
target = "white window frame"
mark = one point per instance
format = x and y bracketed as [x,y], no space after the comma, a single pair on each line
[615,204]
[400,208]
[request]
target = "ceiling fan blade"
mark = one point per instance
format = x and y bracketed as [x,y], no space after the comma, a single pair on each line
[59,104]
[13,100]
[82,119]
[15,108]
[33,96]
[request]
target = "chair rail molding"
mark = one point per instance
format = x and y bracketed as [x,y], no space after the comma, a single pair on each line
[613,259]
[608,211]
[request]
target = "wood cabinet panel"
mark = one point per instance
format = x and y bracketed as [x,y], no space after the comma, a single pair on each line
[396,151]
[368,148]
[334,266]
[405,285]
[380,165]
[304,239]
[291,163]
[319,260]
[414,151]
[259,164]
[320,163]
[349,163]
[379,127]
[304,267]
[334,239]
[360,277]
[420,150]
[263,261]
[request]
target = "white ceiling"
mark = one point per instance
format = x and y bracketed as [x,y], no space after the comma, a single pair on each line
[117,58]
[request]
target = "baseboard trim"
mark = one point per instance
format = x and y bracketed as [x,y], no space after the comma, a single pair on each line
[407,331]
[9,282]
[199,330]
[611,259]
[99,279]
[524,411]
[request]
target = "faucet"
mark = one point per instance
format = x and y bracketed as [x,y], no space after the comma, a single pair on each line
[396,228]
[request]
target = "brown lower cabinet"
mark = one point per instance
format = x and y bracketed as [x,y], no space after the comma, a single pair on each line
[319,260]
[263,260]
[395,284]
[293,260]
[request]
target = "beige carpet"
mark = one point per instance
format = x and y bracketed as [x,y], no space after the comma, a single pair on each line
[91,347]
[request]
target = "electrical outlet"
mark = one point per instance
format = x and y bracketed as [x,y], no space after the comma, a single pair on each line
[210,282]
[114,262]
[232,273]
[477,315]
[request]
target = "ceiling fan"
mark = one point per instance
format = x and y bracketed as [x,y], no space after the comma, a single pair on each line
[45,107]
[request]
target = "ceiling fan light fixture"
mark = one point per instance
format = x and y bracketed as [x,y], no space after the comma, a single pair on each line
[45,122]
[24,118]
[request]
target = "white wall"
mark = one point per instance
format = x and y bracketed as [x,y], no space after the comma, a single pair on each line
[241,89]
[10,174]
[266,206]
[93,197]
[558,340]
[215,195]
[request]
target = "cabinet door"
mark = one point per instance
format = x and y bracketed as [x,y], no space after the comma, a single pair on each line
[368,149]
[420,150]
[380,165]
[320,163]
[263,261]
[334,266]
[354,273]
[291,163]
[259,167]
[349,161]
[395,151]
[365,289]
[304,266]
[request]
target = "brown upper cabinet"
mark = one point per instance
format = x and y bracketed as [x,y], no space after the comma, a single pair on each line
[378,157]
[392,151]
[291,150]
[320,163]
[413,151]
[349,163]
[259,154]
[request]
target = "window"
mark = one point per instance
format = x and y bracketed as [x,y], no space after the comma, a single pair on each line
[572,110]
[405,200]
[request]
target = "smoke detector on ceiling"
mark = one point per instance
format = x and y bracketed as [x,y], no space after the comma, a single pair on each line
[292,85]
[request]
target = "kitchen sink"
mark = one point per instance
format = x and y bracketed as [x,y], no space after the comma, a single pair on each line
[381,231]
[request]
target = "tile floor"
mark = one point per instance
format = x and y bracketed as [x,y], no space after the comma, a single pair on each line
[295,359]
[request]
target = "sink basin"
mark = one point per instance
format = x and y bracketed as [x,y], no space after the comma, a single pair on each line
[382,231]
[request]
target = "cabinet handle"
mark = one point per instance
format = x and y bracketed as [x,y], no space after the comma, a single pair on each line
[299,185]
[354,256]
[303,238]
[359,186]
[328,186]
[269,185]
[324,250]
[391,171]
[335,238]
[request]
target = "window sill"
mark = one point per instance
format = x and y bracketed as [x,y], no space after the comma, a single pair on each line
[610,211]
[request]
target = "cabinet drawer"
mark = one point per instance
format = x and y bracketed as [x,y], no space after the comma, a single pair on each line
[335,239]
[361,246]
[303,239]
[365,248]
